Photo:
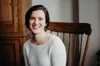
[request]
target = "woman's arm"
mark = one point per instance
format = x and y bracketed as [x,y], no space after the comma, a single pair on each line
[25,57]
[58,54]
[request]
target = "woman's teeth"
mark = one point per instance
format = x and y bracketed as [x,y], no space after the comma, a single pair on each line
[36,27]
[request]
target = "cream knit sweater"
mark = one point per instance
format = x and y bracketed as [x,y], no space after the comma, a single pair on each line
[52,53]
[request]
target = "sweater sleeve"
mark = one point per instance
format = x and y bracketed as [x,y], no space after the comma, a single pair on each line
[58,53]
[25,56]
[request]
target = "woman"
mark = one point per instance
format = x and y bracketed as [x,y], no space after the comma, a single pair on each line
[43,48]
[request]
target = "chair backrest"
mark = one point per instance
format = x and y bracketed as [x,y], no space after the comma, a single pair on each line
[75,43]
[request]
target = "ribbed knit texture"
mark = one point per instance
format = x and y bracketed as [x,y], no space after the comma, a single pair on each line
[52,53]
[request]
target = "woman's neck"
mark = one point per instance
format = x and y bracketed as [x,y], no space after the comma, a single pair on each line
[39,38]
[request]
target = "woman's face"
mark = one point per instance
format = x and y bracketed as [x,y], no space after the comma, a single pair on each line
[37,21]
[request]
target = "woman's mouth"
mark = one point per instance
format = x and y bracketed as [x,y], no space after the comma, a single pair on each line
[36,27]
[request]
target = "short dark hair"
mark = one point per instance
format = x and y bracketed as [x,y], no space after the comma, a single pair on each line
[34,8]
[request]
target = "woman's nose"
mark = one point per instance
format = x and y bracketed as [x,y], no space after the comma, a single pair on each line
[36,22]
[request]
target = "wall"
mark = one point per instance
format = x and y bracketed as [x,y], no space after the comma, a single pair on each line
[90,13]
[61,10]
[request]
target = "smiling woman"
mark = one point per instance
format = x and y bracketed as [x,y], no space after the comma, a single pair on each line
[37,21]
[43,48]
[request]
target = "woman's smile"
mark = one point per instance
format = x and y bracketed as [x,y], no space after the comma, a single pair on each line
[36,27]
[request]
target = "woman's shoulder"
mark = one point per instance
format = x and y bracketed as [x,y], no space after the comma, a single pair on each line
[56,40]
[27,42]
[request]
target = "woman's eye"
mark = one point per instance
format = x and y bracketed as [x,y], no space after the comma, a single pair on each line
[40,18]
[32,18]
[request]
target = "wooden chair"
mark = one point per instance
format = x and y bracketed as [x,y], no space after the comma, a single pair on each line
[75,44]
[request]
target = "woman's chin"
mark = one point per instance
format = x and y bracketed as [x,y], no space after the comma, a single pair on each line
[35,31]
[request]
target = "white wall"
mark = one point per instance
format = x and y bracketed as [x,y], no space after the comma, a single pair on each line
[90,13]
[61,10]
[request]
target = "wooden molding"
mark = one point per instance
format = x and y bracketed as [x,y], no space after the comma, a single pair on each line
[75,11]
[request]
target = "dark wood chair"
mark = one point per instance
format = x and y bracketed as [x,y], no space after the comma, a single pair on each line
[75,42]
